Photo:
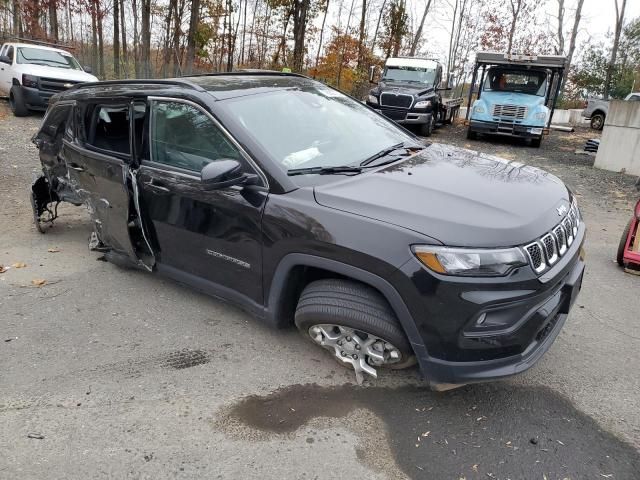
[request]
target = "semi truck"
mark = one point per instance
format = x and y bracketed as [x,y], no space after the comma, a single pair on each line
[516,95]
[409,92]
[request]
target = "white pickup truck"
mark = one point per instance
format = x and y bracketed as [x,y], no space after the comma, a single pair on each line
[597,110]
[31,74]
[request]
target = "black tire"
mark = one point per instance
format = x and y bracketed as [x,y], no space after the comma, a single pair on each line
[597,121]
[622,244]
[16,102]
[452,114]
[535,142]
[471,135]
[354,305]
[36,217]
[426,129]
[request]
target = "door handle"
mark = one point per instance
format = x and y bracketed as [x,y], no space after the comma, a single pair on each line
[157,188]
[76,167]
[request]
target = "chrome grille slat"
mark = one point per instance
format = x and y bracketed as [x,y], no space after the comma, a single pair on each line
[518,112]
[550,247]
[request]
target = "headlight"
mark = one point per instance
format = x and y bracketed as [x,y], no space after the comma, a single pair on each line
[540,116]
[478,109]
[29,80]
[422,104]
[372,99]
[470,262]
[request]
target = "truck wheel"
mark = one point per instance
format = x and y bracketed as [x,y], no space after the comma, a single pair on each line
[355,323]
[535,142]
[426,129]
[471,135]
[623,243]
[597,121]
[16,102]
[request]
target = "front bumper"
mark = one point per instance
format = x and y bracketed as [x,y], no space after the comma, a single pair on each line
[404,116]
[35,99]
[507,129]
[523,314]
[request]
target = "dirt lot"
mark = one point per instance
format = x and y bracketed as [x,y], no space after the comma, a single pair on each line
[111,373]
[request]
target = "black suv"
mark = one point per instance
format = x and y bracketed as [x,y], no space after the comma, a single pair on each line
[304,206]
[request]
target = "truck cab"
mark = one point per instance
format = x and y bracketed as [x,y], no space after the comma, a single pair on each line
[30,74]
[516,95]
[408,92]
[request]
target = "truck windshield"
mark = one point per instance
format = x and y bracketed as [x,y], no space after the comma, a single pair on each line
[313,126]
[409,74]
[528,82]
[48,58]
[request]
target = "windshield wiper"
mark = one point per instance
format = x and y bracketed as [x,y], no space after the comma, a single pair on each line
[391,149]
[325,170]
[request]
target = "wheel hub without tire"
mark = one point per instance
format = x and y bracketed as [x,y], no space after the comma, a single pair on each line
[361,350]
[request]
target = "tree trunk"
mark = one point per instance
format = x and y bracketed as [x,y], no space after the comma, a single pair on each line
[375,34]
[253,25]
[177,32]
[136,43]
[229,36]
[94,38]
[560,47]
[283,39]
[361,35]
[53,20]
[344,46]
[614,49]
[166,60]
[515,12]
[300,14]
[17,23]
[572,43]
[324,19]
[418,35]
[116,38]
[100,18]
[146,38]
[194,22]
[125,61]
[244,33]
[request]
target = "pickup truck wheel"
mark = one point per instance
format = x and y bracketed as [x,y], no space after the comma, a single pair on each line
[16,102]
[355,323]
[597,121]
[426,129]
[623,243]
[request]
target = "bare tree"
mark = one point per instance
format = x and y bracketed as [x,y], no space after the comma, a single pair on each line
[116,38]
[375,34]
[616,43]
[324,20]
[418,36]
[361,33]
[560,33]
[516,6]
[300,17]
[194,21]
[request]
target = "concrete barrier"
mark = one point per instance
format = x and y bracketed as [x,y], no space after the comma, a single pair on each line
[620,143]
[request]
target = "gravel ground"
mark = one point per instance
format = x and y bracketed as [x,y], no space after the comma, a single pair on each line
[111,373]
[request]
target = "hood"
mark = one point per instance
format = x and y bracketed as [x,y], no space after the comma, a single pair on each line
[406,87]
[459,197]
[58,73]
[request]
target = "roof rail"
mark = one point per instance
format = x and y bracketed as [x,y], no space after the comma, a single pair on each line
[247,73]
[146,81]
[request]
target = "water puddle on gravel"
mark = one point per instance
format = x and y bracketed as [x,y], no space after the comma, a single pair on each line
[483,431]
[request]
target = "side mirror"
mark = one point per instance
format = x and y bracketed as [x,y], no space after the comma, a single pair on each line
[372,74]
[223,173]
[5,59]
[87,69]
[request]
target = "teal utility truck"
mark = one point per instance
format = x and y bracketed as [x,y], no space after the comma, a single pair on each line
[516,95]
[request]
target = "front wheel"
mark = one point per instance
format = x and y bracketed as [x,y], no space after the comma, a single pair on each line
[355,323]
[597,121]
[16,102]
[426,129]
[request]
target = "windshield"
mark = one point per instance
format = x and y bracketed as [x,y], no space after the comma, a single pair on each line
[531,83]
[314,126]
[410,74]
[48,58]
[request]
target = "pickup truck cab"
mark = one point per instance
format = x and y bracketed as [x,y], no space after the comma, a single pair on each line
[516,95]
[596,110]
[409,93]
[31,74]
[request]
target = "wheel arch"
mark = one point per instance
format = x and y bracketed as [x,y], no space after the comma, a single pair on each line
[15,82]
[287,285]
[599,111]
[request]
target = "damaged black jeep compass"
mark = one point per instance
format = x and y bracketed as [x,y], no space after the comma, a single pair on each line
[302,205]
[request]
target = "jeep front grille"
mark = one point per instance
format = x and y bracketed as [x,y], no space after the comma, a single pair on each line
[397,100]
[515,112]
[550,247]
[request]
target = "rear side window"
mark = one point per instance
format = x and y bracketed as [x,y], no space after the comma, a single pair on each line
[185,137]
[108,128]
[55,123]
[10,53]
